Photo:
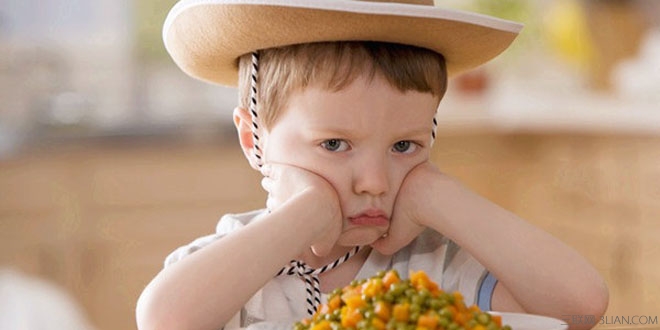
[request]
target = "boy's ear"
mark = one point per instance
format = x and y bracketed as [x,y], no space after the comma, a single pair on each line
[243,123]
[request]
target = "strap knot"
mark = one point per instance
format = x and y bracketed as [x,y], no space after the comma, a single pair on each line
[310,276]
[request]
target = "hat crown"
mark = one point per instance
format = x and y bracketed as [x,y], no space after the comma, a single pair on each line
[411,2]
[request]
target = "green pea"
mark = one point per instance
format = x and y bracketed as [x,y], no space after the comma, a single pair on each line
[410,292]
[446,312]
[506,327]
[483,318]
[397,289]
[443,321]
[434,303]
[418,300]
[414,307]
[425,293]
[402,300]
[391,324]
[380,274]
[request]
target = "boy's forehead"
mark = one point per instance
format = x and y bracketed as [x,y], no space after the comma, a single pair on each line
[362,103]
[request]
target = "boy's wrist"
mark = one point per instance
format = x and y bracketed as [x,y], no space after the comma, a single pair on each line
[305,213]
[443,196]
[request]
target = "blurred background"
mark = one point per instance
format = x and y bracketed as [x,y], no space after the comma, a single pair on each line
[110,157]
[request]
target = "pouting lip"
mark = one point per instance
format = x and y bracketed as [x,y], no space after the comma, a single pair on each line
[370,213]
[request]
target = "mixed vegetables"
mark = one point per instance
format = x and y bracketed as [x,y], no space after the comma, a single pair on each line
[387,302]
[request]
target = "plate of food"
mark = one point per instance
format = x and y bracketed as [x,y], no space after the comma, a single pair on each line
[388,302]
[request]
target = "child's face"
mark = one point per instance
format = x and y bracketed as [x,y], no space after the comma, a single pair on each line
[363,139]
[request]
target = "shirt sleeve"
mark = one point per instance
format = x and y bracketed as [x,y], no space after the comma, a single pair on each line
[485,293]
[445,262]
[462,272]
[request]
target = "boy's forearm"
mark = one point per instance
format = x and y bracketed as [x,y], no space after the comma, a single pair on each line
[204,290]
[543,274]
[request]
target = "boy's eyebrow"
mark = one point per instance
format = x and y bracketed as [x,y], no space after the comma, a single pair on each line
[418,131]
[343,131]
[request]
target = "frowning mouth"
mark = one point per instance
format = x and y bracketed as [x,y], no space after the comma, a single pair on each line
[372,217]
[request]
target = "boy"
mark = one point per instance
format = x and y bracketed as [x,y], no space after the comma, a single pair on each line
[337,108]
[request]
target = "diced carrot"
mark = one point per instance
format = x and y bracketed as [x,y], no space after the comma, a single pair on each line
[351,318]
[382,310]
[372,287]
[390,278]
[453,310]
[497,319]
[418,277]
[378,323]
[334,303]
[429,321]
[401,312]
[323,325]
[352,292]
[479,327]
[355,302]
[461,318]
[420,280]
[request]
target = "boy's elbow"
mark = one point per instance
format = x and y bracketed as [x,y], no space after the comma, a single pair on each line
[145,314]
[150,315]
[597,300]
[592,304]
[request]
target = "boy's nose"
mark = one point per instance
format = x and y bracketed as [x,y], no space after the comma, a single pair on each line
[371,177]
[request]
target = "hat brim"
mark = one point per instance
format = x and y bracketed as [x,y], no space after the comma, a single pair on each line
[206,37]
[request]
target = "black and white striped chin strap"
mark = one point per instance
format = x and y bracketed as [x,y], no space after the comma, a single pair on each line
[311,277]
[307,274]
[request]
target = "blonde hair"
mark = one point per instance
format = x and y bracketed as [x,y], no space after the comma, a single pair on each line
[335,65]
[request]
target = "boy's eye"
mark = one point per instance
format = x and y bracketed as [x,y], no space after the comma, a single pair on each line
[404,147]
[335,145]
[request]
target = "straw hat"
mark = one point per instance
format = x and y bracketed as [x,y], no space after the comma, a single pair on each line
[206,37]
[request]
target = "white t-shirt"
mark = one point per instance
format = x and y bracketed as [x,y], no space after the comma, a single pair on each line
[282,301]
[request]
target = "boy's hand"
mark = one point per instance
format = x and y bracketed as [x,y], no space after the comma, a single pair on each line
[287,184]
[410,208]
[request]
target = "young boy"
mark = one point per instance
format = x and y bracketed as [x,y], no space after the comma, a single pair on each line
[337,108]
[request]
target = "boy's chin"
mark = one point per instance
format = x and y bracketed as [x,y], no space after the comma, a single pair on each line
[361,236]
